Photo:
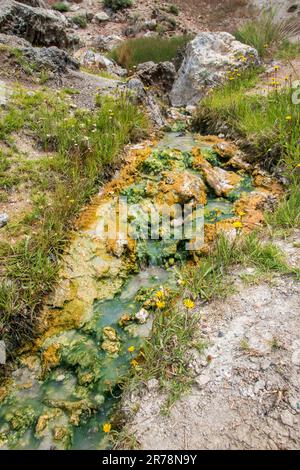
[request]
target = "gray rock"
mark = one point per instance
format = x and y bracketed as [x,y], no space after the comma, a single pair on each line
[13,41]
[106,43]
[49,58]
[140,95]
[101,17]
[161,75]
[5,92]
[207,59]
[287,418]
[3,220]
[39,26]
[34,3]
[94,60]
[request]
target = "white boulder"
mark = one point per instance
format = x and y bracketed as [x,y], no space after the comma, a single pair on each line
[207,60]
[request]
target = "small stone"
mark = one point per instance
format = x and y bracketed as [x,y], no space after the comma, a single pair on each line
[202,380]
[142,315]
[265,364]
[101,17]
[295,355]
[287,418]
[60,378]
[3,220]
[259,385]
[190,109]
[152,385]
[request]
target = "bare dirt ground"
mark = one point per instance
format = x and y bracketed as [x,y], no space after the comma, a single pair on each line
[247,388]
[194,16]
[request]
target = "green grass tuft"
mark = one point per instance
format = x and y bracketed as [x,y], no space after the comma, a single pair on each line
[86,146]
[133,52]
[266,33]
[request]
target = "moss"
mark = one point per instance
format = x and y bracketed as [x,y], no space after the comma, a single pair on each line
[21,419]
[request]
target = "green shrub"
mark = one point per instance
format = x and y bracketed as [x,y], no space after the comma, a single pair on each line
[269,123]
[80,21]
[173,9]
[133,52]
[266,33]
[117,4]
[61,6]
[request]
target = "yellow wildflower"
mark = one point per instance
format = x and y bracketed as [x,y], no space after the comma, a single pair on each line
[131,349]
[189,303]
[160,294]
[288,118]
[160,304]
[237,224]
[241,213]
[106,427]
[276,67]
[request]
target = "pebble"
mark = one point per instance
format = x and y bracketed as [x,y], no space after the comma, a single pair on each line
[3,220]
[60,378]
[265,364]
[287,418]
[295,355]
[202,380]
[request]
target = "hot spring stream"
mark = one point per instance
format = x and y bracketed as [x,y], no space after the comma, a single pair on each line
[65,386]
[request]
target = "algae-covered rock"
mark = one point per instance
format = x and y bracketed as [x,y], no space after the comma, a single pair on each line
[21,419]
[111,342]
[110,333]
[51,356]
[111,347]
[63,435]
[124,320]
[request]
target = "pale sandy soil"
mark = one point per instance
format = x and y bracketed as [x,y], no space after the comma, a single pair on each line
[248,395]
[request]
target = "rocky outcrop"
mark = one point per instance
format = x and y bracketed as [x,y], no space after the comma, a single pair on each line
[141,96]
[161,75]
[34,3]
[39,26]
[50,58]
[208,58]
[97,62]
[42,58]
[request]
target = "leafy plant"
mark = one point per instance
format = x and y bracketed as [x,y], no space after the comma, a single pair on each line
[136,51]
[62,7]
[116,5]
[80,20]
[266,33]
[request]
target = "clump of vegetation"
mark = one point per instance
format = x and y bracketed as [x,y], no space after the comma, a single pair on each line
[86,144]
[116,5]
[266,33]
[173,9]
[80,20]
[136,51]
[267,122]
[62,7]
[166,355]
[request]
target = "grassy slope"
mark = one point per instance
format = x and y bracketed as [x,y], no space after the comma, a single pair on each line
[86,145]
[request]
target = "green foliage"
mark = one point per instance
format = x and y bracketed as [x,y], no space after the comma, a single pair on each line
[265,33]
[287,215]
[116,5]
[288,50]
[136,51]
[265,122]
[173,9]
[80,20]
[62,7]
[86,144]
